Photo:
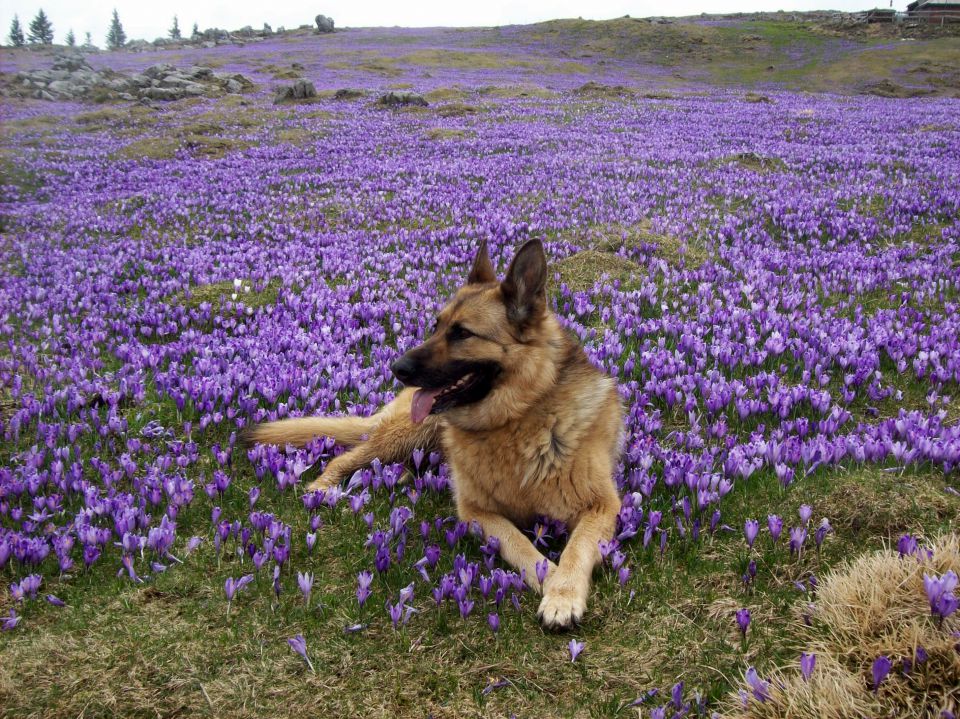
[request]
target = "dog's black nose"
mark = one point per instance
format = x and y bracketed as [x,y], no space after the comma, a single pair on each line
[403,369]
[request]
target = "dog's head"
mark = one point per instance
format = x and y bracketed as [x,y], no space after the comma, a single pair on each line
[474,344]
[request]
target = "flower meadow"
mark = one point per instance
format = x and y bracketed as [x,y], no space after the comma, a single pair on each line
[775,285]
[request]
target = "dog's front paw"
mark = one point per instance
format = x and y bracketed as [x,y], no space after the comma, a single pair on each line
[324,481]
[561,608]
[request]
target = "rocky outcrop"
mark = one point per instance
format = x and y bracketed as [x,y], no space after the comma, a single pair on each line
[324,24]
[403,98]
[300,90]
[72,78]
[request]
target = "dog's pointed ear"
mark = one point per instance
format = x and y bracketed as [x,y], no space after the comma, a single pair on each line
[482,270]
[524,287]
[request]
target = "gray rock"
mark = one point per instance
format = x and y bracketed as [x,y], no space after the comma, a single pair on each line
[70,62]
[195,89]
[347,93]
[159,70]
[324,23]
[61,87]
[140,80]
[200,72]
[234,87]
[209,44]
[300,90]
[399,98]
[162,93]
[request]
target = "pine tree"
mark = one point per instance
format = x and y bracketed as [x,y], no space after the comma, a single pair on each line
[196,31]
[71,39]
[88,40]
[175,30]
[41,30]
[16,33]
[116,37]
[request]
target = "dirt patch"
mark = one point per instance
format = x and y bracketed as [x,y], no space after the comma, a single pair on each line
[515,91]
[583,270]
[754,162]
[640,240]
[456,109]
[597,89]
[444,133]
[446,94]
[166,148]
[888,88]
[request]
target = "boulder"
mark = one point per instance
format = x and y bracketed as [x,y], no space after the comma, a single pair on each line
[200,72]
[159,70]
[300,90]
[62,87]
[70,62]
[347,93]
[162,93]
[401,98]
[324,24]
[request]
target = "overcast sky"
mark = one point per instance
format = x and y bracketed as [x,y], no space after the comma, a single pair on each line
[150,20]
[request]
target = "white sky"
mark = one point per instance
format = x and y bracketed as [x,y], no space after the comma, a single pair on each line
[149,20]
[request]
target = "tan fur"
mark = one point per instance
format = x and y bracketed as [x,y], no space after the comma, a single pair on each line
[545,440]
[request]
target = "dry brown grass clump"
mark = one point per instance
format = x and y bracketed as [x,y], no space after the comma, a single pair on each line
[874,606]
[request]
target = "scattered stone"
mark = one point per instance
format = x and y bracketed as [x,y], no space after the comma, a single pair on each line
[324,24]
[346,93]
[300,90]
[402,98]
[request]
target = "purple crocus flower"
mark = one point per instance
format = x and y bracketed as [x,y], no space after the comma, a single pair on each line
[907,545]
[364,580]
[743,621]
[775,526]
[299,645]
[232,586]
[305,582]
[10,622]
[575,648]
[939,591]
[822,532]
[759,687]
[542,567]
[750,530]
[493,620]
[55,600]
[805,513]
[798,535]
[807,663]
[881,667]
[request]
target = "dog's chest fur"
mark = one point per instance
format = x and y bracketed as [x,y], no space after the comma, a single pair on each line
[532,464]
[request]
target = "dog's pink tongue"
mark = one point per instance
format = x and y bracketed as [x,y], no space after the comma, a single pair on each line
[422,404]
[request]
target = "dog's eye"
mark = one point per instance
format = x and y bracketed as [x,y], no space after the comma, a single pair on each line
[458,332]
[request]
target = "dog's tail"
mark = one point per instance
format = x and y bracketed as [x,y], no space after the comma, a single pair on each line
[348,431]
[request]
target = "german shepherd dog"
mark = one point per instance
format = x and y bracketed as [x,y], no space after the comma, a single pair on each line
[527,425]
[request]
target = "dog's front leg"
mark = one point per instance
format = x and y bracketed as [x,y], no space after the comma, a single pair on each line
[565,594]
[515,548]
